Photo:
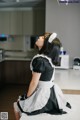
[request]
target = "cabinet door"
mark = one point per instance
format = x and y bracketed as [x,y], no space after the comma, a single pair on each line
[16,22]
[28,21]
[9,72]
[39,21]
[0,74]
[4,22]
[22,73]
[1,22]
[17,72]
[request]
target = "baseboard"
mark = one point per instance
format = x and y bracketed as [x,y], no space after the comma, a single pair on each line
[71,91]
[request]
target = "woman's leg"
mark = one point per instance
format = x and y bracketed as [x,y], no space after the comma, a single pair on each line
[17,115]
[16,111]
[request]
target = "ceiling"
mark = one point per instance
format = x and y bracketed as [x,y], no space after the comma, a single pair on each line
[20,3]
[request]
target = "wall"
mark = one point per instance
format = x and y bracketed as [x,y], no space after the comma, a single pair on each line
[13,43]
[65,20]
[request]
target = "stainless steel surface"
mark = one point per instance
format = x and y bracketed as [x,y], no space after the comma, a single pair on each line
[1,54]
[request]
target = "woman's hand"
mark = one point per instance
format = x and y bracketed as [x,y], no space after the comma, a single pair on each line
[33,83]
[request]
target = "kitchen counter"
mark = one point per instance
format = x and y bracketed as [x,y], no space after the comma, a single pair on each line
[15,67]
[19,55]
[15,70]
[18,58]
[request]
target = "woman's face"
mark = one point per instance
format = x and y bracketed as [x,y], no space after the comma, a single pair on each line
[40,42]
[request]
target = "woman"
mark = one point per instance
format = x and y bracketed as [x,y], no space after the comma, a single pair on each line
[43,95]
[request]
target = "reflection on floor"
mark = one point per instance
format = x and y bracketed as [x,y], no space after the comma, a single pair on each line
[69,82]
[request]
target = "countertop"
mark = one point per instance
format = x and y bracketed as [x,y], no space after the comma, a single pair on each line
[18,55]
[18,58]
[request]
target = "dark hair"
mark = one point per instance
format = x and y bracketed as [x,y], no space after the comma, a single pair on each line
[52,49]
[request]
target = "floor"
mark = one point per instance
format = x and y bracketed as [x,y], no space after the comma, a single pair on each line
[8,95]
[68,79]
[69,82]
[73,114]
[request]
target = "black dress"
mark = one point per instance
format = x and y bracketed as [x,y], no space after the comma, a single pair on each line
[48,97]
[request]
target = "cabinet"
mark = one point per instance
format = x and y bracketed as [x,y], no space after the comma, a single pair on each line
[39,21]
[1,73]
[4,22]
[16,22]
[11,22]
[28,22]
[34,22]
[17,72]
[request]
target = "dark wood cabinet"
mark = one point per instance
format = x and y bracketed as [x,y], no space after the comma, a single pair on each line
[17,72]
[1,73]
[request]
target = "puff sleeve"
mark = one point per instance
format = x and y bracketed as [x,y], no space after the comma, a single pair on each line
[38,65]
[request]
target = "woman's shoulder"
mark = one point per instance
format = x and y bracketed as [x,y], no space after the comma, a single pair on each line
[38,60]
[44,58]
[38,64]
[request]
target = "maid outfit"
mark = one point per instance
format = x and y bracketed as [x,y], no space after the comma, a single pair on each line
[48,97]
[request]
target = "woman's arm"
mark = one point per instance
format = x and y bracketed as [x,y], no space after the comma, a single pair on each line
[33,83]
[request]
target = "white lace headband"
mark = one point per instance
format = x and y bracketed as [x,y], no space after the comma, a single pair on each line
[52,37]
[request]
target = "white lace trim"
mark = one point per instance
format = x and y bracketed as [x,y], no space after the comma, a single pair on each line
[49,59]
[44,56]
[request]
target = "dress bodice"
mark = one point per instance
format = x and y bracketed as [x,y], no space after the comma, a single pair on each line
[42,64]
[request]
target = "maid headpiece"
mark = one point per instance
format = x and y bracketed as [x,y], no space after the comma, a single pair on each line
[52,37]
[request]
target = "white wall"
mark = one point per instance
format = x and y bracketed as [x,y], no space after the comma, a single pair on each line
[65,20]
